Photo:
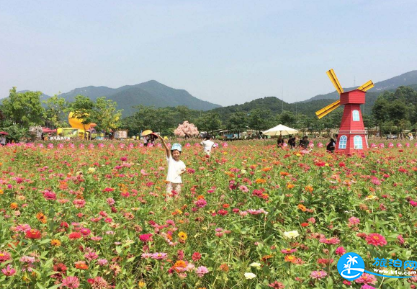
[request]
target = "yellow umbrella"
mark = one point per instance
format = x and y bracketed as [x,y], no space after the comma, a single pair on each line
[146,132]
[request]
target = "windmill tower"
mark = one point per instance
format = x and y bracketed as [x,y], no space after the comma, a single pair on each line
[352,134]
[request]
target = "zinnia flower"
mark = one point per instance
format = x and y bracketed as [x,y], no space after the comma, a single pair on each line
[33,234]
[249,275]
[318,274]
[201,271]
[71,282]
[376,240]
[291,234]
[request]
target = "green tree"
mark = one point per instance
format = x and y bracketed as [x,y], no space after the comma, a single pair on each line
[106,115]
[24,108]
[55,111]
[208,122]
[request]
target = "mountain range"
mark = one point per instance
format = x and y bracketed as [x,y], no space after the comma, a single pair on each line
[153,93]
[150,93]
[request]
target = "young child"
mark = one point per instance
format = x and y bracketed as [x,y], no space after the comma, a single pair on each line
[207,144]
[176,168]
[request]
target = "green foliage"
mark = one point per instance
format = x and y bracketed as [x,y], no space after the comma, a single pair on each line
[55,111]
[24,108]
[16,132]
[105,114]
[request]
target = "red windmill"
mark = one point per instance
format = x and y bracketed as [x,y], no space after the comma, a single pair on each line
[352,134]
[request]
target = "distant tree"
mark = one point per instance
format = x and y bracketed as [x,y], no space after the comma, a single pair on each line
[55,111]
[288,118]
[209,122]
[82,108]
[237,121]
[24,108]
[106,115]
[186,130]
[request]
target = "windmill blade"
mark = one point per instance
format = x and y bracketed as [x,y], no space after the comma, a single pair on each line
[334,80]
[366,86]
[328,109]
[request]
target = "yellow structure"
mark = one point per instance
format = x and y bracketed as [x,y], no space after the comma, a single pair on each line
[333,78]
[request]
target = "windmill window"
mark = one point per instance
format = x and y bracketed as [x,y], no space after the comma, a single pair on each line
[342,142]
[357,142]
[355,115]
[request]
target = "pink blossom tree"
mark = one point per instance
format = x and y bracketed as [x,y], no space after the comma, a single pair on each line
[186,130]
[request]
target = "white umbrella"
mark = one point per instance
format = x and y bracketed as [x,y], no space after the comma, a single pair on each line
[280,129]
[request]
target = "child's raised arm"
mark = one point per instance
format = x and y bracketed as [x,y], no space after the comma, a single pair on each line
[168,152]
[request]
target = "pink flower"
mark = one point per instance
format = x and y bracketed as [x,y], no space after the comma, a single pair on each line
[318,274]
[276,285]
[102,262]
[85,231]
[145,238]
[367,287]
[71,282]
[201,203]
[400,239]
[110,201]
[311,220]
[4,256]
[366,279]
[340,251]
[159,256]
[48,195]
[331,241]
[196,256]
[8,271]
[353,221]
[376,240]
[201,271]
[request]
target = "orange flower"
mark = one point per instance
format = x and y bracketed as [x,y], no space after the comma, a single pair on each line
[284,174]
[290,186]
[266,169]
[200,197]
[266,257]
[223,267]
[290,258]
[81,265]
[14,206]
[179,264]
[41,217]
[260,181]
[302,207]
[309,189]
[225,206]
[56,243]
[1,192]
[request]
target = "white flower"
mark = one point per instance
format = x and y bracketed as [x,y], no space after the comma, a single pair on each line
[249,275]
[291,234]
[255,264]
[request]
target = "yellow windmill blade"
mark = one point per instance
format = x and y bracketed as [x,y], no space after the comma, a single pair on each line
[366,86]
[334,80]
[328,109]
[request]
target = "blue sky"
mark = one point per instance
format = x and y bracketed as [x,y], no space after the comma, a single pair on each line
[226,52]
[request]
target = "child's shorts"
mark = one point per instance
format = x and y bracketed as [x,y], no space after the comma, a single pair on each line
[173,187]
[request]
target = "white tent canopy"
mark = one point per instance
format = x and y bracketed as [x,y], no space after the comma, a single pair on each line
[280,129]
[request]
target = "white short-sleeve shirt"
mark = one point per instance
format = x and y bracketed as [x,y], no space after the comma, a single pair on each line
[174,170]
[207,145]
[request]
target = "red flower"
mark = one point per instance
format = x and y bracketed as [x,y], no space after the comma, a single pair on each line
[75,235]
[33,234]
[304,224]
[376,239]
[196,256]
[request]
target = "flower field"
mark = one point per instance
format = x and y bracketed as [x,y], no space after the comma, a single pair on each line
[91,215]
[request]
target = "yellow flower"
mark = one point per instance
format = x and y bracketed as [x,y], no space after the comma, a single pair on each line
[91,170]
[13,206]
[291,234]
[56,243]
[141,284]
[182,235]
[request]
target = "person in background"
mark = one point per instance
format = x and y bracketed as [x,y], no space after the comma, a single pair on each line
[304,142]
[331,145]
[208,145]
[280,141]
[176,168]
[291,142]
[2,140]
